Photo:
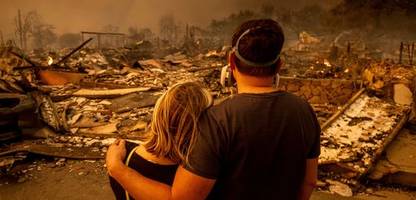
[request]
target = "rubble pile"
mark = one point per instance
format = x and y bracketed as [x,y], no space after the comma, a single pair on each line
[360,131]
[98,110]
[84,93]
[317,65]
[344,55]
[86,58]
[97,144]
[90,98]
[358,136]
[379,75]
[105,78]
[13,81]
[103,117]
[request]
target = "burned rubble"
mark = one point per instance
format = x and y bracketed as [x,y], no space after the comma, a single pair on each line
[86,95]
[69,89]
[70,105]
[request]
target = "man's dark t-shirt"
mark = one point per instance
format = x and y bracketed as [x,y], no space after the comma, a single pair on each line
[256,146]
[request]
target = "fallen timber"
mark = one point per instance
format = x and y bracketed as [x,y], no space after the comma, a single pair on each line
[25,58]
[78,153]
[56,65]
[104,93]
[91,149]
[73,51]
[354,138]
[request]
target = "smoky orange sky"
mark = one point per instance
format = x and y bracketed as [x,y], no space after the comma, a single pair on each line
[92,15]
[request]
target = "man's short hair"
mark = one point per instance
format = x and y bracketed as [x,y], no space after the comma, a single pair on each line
[258,41]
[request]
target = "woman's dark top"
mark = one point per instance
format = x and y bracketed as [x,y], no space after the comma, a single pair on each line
[162,173]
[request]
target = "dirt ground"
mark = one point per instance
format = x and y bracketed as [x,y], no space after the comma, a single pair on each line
[79,180]
[76,180]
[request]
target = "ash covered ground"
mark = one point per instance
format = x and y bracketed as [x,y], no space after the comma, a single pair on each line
[66,99]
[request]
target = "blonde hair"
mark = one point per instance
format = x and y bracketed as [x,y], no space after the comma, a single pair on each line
[173,129]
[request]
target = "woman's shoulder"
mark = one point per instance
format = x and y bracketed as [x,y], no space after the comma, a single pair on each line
[130,146]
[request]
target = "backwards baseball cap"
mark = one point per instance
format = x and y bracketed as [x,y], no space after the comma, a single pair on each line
[258,43]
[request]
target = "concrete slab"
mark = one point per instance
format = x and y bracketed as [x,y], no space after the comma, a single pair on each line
[402,152]
[399,163]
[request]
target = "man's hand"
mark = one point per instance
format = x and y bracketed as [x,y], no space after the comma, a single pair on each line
[115,155]
[141,187]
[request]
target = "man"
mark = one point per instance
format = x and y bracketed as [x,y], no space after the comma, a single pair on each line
[258,144]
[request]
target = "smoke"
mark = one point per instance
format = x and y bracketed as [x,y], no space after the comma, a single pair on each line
[92,15]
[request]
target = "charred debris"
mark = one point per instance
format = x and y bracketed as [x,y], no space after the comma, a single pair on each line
[71,103]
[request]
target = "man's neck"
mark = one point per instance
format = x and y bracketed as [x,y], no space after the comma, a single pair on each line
[255,89]
[255,85]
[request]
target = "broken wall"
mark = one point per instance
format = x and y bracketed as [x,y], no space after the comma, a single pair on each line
[320,91]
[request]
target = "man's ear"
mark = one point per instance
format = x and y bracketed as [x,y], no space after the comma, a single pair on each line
[231,60]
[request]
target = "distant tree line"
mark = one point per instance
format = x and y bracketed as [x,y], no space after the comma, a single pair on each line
[377,15]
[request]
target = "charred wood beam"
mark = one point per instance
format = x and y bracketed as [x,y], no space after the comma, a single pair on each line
[401,53]
[25,58]
[73,51]
[131,136]
[102,33]
[105,93]
[78,153]
[36,67]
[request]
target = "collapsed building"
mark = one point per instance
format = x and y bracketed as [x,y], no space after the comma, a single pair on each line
[73,103]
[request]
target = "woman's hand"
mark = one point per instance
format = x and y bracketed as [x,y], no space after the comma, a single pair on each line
[115,155]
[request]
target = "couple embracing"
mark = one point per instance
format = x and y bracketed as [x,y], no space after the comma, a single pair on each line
[258,144]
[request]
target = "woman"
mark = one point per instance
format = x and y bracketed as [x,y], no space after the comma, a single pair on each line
[171,136]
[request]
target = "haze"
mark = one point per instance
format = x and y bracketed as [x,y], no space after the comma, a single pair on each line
[92,15]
